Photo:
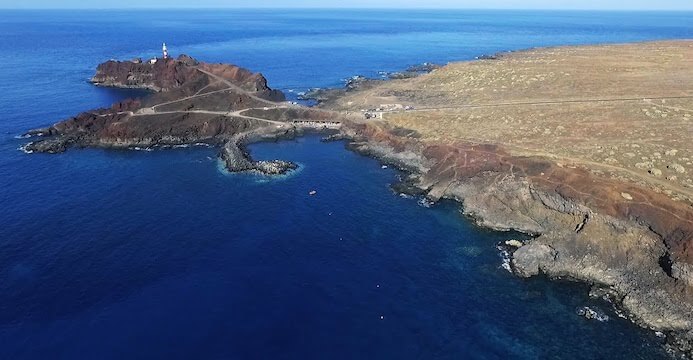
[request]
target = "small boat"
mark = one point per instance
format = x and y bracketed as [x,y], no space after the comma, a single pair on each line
[312,192]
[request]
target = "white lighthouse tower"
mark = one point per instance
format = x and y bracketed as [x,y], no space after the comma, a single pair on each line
[165,51]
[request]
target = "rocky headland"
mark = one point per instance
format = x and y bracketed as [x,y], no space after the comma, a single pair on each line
[190,102]
[586,149]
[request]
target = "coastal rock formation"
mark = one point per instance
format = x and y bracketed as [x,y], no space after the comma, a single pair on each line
[528,260]
[237,159]
[576,236]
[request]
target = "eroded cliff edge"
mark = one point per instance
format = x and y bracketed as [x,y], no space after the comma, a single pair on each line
[552,142]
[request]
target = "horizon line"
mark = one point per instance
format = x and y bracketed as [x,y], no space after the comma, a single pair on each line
[350,8]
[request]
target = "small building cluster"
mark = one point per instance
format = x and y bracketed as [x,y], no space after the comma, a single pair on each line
[377,113]
[164,55]
[317,124]
[152,61]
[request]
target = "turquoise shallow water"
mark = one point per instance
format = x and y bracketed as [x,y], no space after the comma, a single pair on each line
[133,254]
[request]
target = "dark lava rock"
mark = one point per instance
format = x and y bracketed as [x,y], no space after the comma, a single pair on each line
[187,60]
[237,159]
[592,314]
[274,167]
[414,71]
[51,146]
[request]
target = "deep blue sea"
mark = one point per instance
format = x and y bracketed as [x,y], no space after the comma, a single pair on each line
[141,255]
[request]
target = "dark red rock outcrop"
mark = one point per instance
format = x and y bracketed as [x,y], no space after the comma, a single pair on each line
[162,75]
[191,101]
[168,74]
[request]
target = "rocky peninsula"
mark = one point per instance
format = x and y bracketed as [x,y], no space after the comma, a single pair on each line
[190,102]
[586,149]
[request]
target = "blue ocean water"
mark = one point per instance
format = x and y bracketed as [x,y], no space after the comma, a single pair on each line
[139,255]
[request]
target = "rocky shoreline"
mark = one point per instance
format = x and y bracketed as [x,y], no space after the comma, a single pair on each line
[569,240]
[531,141]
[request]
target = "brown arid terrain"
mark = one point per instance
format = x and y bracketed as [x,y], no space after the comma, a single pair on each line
[621,110]
[589,149]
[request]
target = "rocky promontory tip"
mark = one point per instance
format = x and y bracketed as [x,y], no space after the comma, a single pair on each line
[237,159]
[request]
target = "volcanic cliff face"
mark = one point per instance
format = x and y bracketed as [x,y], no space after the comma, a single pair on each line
[191,102]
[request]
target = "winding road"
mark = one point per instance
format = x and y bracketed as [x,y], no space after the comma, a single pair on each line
[152,110]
